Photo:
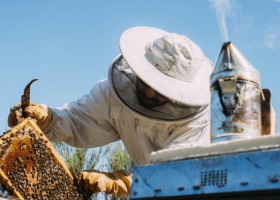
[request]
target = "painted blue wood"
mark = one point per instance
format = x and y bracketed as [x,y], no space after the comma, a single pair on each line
[242,172]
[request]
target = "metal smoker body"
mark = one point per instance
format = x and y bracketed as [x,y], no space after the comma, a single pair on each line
[236,99]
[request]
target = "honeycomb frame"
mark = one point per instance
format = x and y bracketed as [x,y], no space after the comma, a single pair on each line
[31,168]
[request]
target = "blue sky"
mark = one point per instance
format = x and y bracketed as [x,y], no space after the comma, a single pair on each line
[69,44]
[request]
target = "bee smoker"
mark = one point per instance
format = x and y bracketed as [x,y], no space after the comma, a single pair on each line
[236,99]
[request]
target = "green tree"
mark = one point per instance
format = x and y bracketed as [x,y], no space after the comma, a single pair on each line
[112,157]
[118,159]
[78,159]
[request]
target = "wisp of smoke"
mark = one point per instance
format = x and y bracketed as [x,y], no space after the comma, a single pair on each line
[222,8]
[272,35]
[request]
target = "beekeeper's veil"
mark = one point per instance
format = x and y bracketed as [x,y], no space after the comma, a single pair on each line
[171,64]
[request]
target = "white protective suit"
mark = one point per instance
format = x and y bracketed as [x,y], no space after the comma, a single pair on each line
[110,112]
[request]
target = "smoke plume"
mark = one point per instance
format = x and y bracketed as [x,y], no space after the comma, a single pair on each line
[222,8]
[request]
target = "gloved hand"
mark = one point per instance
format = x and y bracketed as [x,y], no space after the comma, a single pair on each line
[40,112]
[93,181]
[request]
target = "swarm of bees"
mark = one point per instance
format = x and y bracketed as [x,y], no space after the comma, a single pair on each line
[30,167]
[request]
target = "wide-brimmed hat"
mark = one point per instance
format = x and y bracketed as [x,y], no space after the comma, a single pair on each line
[170,63]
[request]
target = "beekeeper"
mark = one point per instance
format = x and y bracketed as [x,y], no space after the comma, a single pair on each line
[156,97]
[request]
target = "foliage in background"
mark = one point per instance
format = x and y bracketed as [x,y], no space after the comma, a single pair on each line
[118,158]
[112,157]
[78,159]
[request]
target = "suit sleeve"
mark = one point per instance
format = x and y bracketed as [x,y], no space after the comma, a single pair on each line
[85,122]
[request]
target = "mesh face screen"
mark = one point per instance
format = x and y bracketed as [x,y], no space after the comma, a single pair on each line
[124,85]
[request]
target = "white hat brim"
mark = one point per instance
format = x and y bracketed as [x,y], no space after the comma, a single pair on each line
[132,45]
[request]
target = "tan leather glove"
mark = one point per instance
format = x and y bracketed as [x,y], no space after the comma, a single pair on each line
[40,112]
[93,181]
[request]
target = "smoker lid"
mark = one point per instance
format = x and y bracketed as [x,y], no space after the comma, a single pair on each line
[231,62]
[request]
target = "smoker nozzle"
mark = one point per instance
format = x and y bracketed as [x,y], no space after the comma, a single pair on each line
[231,62]
[226,43]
